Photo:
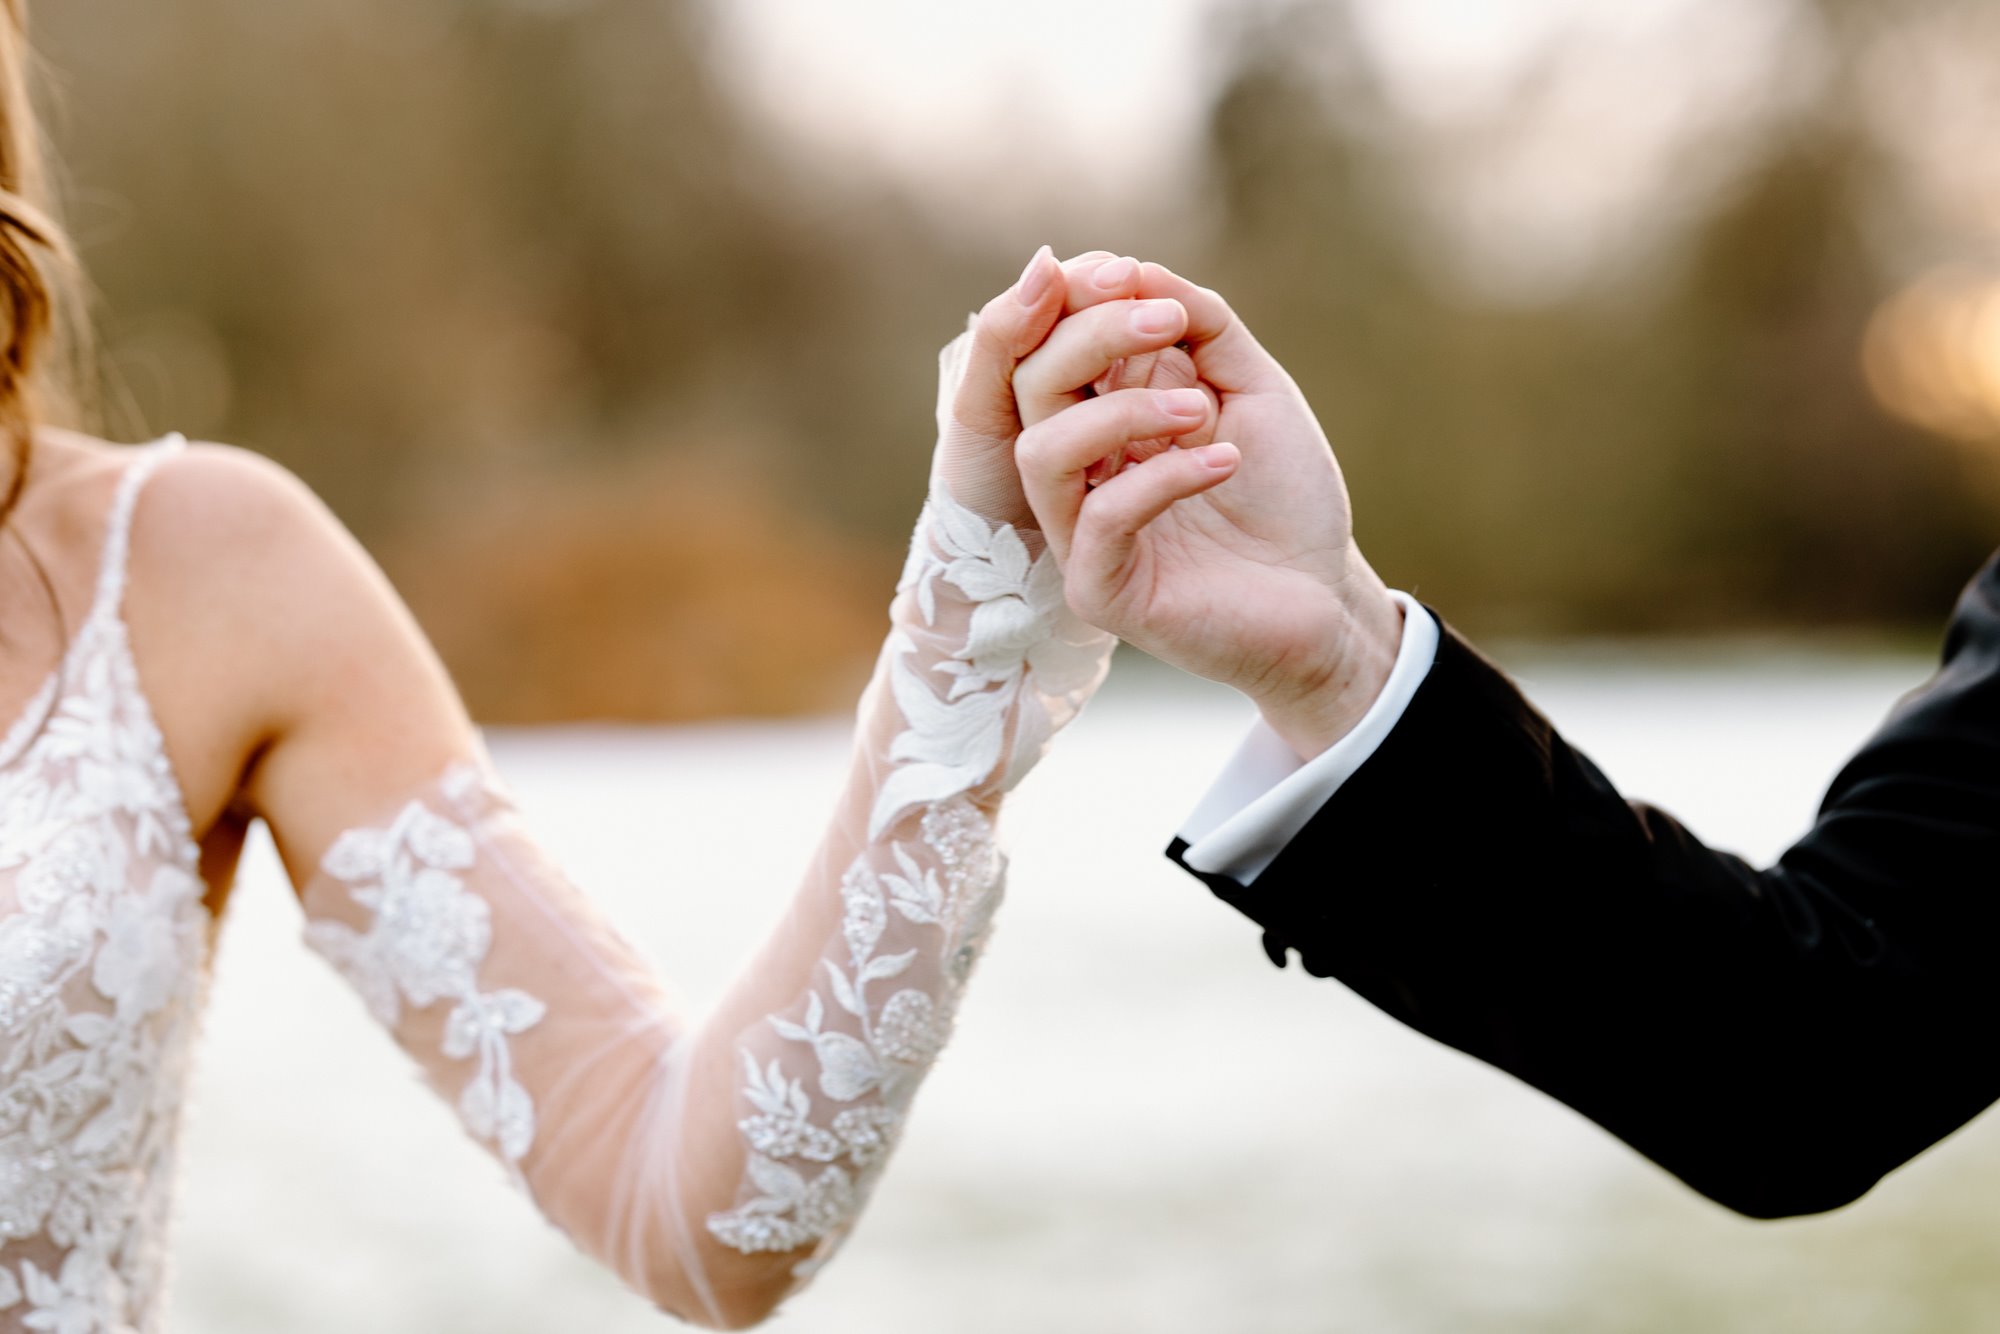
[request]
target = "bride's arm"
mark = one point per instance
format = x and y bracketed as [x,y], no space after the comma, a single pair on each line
[710,1161]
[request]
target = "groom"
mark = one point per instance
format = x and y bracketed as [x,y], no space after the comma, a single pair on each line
[1400,816]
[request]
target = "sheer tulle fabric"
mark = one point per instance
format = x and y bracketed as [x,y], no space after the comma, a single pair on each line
[715,1164]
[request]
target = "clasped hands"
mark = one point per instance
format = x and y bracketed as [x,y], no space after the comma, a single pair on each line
[1188,492]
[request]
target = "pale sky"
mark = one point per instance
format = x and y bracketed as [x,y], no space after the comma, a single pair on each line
[1095,100]
[943,94]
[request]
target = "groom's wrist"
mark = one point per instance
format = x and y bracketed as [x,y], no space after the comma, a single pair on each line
[1329,688]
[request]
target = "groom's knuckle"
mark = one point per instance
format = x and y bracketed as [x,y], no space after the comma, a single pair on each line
[1117,517]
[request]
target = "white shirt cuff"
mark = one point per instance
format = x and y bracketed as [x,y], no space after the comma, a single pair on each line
[1266,794]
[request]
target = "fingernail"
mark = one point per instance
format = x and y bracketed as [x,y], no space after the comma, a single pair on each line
[1156,317]
[1036,277]
[1215,456]
[1115,274]
[1184,402]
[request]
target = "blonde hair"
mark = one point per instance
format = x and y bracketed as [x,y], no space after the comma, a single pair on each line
[40,284]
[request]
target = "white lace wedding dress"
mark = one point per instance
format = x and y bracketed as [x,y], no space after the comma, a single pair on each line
[691,1156]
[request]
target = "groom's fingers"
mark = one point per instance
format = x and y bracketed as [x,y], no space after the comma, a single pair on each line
[1107,528]
[1007,329]
[1055,455]
[1096,277]
[1083,347]
[1223,349]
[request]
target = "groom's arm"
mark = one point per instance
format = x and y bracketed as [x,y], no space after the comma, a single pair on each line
[1778,1038]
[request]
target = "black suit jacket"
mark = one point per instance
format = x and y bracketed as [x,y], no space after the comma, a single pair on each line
[1778,1039]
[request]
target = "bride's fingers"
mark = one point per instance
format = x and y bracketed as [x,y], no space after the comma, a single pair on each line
[1106,533]
[1084,346]
[1055,455]
[1009,327]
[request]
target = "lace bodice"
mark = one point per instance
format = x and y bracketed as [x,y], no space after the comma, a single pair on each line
[103,971]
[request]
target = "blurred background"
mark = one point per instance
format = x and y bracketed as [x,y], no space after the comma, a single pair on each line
[1660,342]
[609,324]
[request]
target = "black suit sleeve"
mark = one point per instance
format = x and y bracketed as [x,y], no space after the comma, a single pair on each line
[1778,1039]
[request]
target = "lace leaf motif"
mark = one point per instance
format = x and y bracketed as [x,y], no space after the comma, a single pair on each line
[1020,627]
[915,908]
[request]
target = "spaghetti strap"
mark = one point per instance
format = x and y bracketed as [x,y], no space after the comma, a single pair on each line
[118,530]
[102,623]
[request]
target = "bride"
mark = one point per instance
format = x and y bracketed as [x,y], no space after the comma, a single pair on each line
[193,643]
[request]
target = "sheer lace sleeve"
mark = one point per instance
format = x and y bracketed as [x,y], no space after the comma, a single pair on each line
[714,1164]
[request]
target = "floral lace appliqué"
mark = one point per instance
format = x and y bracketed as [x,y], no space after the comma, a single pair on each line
[917,906]
[103,936]
[426,938]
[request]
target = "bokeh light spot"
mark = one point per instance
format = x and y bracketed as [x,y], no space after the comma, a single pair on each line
[1932,354]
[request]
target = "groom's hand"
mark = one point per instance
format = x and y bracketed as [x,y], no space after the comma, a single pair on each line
[1234,560]
[980,422]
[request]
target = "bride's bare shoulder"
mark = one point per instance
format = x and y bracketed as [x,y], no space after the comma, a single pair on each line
[215,494]
[210,494]
[211,511]
[247,601]
[229,550]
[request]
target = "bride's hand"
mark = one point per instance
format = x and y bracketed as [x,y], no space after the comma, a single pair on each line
[1235,561]
[978,420]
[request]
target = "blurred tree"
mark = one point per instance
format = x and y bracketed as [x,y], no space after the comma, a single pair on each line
[460,261]
[1696,449]
[438,254]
